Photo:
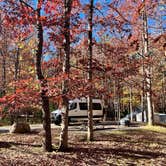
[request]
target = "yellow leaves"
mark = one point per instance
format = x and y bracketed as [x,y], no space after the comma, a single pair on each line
[31,69]
[20,45]
[98,85]
[20,58]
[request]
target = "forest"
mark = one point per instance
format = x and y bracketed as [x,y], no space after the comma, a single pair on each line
[55,51]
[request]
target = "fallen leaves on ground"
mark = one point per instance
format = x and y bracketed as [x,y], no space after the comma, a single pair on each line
[124,147]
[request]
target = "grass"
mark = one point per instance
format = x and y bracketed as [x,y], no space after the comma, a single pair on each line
[159,129]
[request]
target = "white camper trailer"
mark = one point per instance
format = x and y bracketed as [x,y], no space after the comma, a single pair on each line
[78,110]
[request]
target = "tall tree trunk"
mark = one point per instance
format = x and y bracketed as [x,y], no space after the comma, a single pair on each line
[119,100]
[143,106]
[17,63]
[16,75]
[2,91]
[3,75]
[131,104]
[143,93]
[163,92]
[115,101]
[47,142]
[90,54]
[148,70]
[4,55]
[63,144]
[105,98]
[164,88]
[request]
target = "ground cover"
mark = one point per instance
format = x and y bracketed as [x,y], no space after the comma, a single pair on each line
[142,146]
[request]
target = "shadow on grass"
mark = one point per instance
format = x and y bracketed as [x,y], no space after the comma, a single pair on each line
[33,131]
[22,147]
[24,144]
[125,153]
[123,136]
[5,145]
[10,144]
[94,156]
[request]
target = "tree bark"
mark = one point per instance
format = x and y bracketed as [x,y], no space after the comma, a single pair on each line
[115,101]
[144,118]
[47,142]
[16,75]
[143,106]
[131,104]
[63,144]
[17,63]
[119,100]
[3,93]
[90,54]
[4,55]
[148,70]
[106,102]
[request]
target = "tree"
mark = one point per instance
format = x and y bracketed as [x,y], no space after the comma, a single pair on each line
[3,53]
[148,69]
[63,145]
[47,144]
[90,54]
[33,16]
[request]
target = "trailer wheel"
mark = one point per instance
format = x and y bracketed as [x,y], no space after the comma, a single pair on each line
[58,120]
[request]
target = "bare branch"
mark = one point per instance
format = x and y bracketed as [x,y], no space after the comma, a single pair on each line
[27,5]
[120,14]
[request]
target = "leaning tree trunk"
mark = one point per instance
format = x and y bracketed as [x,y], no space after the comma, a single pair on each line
[63,144]
[47,142]
[90,54]
[148,70]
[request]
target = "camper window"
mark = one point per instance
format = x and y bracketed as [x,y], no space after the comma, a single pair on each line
[96,106]
[83,106]
[72,106]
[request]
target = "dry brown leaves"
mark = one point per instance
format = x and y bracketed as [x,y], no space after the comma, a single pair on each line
[132,147]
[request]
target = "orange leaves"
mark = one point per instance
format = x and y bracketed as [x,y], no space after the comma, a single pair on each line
[43,18]
[58,78]
[76,3]
[53,63]
[26,94]
[53,8]
[3,99]
[160,42]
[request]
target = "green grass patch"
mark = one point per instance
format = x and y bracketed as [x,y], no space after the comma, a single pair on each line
[158,129]
[119,132]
